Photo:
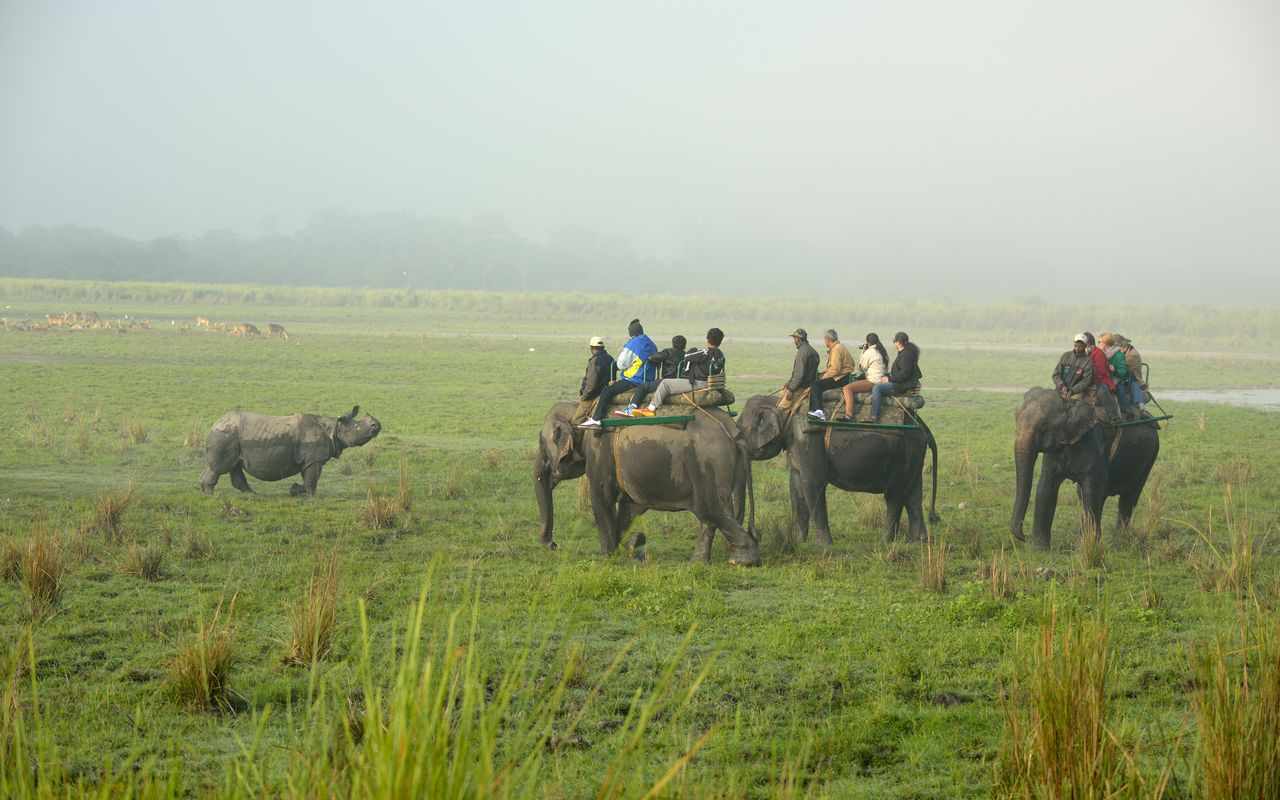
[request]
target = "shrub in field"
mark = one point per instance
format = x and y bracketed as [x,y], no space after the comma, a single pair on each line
[379,512]
[107,510]
[1238,712]
[453,486]
[196,545]
[10,560]
[933,565]
[143,561]
[1228,568]
[1059,739]
[312,621]
[42,573]
[200,672]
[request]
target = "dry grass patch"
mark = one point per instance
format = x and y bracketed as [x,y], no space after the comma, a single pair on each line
[892,553]
[42,573]
[107,510]
[191,440]
[133,431]
[10,560]
[1228,568]
[933,565]
[196,546]
[200,672]
[379,512]
[404,489]
[145,562]
[82,438]
[493,459]
[1090,549]
[1000,577]
[311,622]
[454,486]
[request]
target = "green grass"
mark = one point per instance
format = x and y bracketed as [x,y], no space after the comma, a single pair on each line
[832,672]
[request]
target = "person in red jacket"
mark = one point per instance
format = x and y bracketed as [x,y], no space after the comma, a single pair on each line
[1102,376]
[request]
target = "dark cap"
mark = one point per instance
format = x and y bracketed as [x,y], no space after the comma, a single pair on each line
[802,333]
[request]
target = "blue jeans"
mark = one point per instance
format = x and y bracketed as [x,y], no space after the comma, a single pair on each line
[879,392]
[608,393]
[644,389]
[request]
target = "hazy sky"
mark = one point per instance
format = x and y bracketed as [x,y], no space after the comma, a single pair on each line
[972,136]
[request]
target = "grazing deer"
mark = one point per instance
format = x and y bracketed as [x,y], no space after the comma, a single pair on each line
[203,322]
[246,329]
[58,320]
[277,330]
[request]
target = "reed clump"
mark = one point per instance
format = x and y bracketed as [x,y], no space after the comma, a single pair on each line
[933,565]
[200,672]
[107,511]
[143,561]
[43,571]
[312,621]
[379,512]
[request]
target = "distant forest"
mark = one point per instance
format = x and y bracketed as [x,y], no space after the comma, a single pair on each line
[335,248]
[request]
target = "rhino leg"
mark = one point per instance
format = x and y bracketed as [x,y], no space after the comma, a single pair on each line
[310,477]
[238,479]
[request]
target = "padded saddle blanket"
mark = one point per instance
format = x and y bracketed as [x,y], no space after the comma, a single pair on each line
[891,412]
[698,397]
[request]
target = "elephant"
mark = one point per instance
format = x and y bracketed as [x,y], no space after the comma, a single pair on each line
[273,448]
[559,458]
[888,462]
[701,466]
[1077,444]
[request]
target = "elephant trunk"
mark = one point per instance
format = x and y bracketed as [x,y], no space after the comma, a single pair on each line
[543,483]
[1024,464]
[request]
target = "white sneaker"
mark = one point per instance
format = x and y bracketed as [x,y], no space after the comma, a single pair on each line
[590,423]
[818,414]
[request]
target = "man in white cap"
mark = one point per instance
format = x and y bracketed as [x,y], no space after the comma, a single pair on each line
[600,370]
[1074,374]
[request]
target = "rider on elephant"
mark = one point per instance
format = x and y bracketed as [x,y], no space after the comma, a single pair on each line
[1073,376]
[1102,377]
[840,367]
[698,367]
[903,376]
[1133,367]
[600,368]
[633,370]
[803,372]
[667,362]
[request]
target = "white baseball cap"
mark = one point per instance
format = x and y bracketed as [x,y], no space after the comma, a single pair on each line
[1080,337]
[596,341]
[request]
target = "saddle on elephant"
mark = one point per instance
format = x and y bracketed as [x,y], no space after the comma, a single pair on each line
[894,411]
[706,398]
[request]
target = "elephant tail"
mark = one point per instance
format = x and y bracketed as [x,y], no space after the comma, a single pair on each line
[933,446]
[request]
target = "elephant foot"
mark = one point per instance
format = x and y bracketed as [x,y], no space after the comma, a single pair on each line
[1018,536]
[550,544]
[823,538]
[635,546]
[297,489]
[1039,544]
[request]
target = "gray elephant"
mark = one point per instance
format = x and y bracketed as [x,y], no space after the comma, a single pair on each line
[1102,460]
[888,462]
[701,466]
[274,448]
[559,458]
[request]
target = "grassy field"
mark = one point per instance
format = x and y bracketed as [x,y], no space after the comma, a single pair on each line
[850,672]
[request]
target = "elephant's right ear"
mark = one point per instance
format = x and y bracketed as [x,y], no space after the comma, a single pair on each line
[767,428]
[563,439]
[1080,418]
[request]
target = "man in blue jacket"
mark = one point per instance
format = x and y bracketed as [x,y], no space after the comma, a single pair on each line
[634,370]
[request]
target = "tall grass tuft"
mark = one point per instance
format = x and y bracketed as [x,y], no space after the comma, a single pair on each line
[1228,568]
[1238,712]
[200,672]
[145,562]
[379,512]
[191,440]
[933,565]
[1058,740]
[404,489]
[1089,546]
[196,545]
[82,436]
[107,510]
[454,485]
[1000,578]
[312,621]
[42,573]
[133,431]
[10,560]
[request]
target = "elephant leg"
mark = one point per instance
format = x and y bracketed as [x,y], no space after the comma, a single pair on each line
[238,479]
[799,509]
[745,551]
[628,512]
[818,513]
[1128,500]
[604,507]
[1092,498]
[1046,507]
[892,516]
[702,550]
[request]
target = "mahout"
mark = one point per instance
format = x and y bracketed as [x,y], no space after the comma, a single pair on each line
[887,461]
[273,448]
[701,466]
[1079,445]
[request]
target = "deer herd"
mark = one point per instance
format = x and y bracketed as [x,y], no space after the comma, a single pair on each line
[92,321]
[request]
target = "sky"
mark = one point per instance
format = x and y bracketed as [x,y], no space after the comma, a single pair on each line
[968,142]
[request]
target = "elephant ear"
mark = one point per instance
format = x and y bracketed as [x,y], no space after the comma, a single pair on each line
[1081,417]
[562,439]
[768,427]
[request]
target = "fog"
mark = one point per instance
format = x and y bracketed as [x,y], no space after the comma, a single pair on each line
[942,149]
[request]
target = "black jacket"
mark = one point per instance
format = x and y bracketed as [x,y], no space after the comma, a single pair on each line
[669,361]
[905,372]
[600,370]
[698,364]
[805,370]
[1074,372]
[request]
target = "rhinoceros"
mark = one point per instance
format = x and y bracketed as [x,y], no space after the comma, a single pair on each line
[273,448]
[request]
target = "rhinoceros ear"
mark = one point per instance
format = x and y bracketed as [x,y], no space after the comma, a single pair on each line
[354,410]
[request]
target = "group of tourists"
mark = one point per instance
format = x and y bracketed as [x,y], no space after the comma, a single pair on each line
[870,373]
[1108,368]
[642,369]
